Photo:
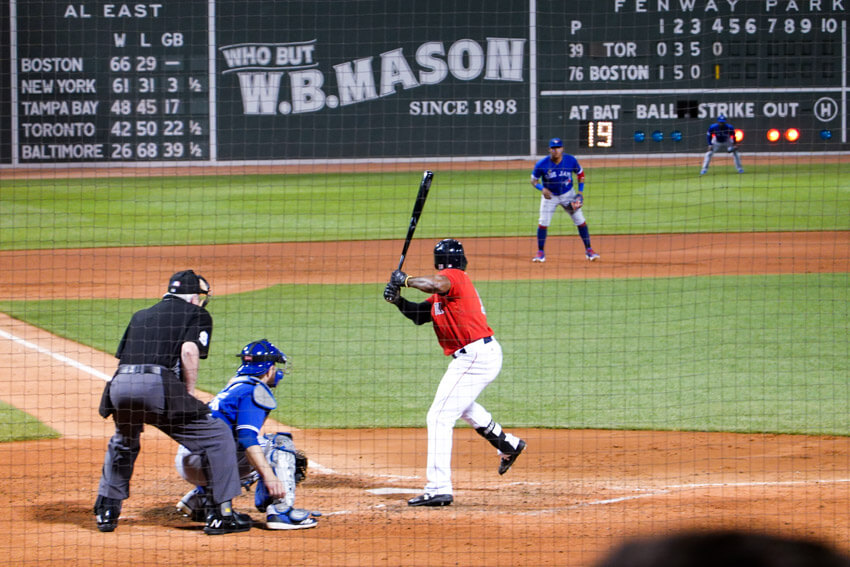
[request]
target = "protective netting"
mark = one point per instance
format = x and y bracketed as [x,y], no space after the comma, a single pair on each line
[679,358]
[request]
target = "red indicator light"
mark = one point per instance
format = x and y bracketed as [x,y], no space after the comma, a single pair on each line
[792,134]
[773,135]
[739,135]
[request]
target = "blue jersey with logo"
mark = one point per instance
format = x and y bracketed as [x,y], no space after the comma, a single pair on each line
[243,408]
[721,131]
[557,178]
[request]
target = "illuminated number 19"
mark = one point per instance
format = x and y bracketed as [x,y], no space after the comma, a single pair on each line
[600,134]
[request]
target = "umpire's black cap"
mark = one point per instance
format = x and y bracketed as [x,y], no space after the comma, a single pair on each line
[187,282]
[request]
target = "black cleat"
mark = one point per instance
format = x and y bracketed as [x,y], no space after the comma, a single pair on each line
[508,460]
[431,500]
[107,520]
[106,512]
[218,524]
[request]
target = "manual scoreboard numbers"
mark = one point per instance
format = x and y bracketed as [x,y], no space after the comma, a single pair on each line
[651,75]
[111,82]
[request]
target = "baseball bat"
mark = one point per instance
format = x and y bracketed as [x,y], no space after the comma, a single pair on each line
[424,186]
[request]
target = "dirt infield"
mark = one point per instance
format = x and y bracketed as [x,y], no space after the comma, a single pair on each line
[296,167]
[568,499]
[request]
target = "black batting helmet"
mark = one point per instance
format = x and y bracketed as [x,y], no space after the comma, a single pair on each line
[448,253]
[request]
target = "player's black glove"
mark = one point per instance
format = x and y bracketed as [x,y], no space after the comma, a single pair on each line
[301,464]
[391,293]
[398,278]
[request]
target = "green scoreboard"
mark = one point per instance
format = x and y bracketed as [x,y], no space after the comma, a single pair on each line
[108,82]
[228,81]
[641,76]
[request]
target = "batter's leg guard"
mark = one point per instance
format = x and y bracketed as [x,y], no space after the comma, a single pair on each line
[505,443]
[509,446]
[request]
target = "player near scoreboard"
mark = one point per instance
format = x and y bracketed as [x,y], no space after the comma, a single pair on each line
[721,135]
[554,176]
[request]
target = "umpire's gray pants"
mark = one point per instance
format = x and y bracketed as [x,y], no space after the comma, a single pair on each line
[139,399]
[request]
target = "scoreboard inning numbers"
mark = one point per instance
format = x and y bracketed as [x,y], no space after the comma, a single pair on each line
[652,75]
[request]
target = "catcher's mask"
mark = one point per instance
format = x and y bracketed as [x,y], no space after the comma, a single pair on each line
[206,292]
[448,253]
[259,356]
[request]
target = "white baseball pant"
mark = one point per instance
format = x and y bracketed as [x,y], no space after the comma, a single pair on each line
[466,377]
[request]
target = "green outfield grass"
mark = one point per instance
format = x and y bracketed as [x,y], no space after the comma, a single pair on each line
[749,354]
[16,425]
[758,353]
[71,213]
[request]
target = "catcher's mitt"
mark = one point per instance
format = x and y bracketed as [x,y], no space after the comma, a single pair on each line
[300,465]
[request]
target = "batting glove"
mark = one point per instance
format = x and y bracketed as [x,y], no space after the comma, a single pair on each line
[391,293]
[398,278]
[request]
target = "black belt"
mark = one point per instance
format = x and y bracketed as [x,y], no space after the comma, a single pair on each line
[463,350]
[141,369]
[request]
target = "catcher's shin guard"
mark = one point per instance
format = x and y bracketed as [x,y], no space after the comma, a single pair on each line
[280,453]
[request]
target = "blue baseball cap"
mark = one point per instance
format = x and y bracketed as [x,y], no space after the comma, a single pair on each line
[556,143]
[721,118]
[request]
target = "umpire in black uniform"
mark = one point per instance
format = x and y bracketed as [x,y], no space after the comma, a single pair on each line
[155,383]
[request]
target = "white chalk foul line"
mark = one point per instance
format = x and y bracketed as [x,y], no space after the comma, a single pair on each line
[313,465]
[760,483]
[651,493]
[60,357]
[386,490]
[98,374]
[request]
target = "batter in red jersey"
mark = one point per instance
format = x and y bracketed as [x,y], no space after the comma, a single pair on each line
[460,323]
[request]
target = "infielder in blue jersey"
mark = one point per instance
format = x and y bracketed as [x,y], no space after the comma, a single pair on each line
[558,172]
[721,134]
[271,460]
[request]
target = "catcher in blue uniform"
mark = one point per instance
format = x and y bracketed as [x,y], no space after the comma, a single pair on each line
[271,460]
[721,136]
